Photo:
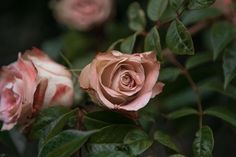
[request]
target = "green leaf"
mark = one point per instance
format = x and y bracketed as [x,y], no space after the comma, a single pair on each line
[203,143]
[112,134]
[65,144]
[222,33]
[136,17]
[222,113]
[217,86]
[165,140]
[229,64]
[146,121]
[99,119]
[7,140]
[198,59]
[109,154]
[127,45]
[56,126]
[199,4]
[176,4]
[156,8]
[180,99]
[169,74]
[113,45]
[177,155]
[179,40]
[137,141]
[152,41]
[109,138]
[182,113]
[45,117]
[193,16]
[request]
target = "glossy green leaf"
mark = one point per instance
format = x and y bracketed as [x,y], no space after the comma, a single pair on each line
[176,4]
[127,44]
[152,41]
[221,35]
[65,144]
[56,126]
[109,154]
[99,119]
[177,155]
[169,74]
[109,138]
[193,16]
[137,20]
[203,143]
[198,59]
[137,141]
[229,64]
[182,113]
[45,117]
[112,134]
[165,140]
[199,4]
[156,8]
[222,113]
[179,40]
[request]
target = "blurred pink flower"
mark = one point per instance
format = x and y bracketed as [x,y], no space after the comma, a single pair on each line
[81,14]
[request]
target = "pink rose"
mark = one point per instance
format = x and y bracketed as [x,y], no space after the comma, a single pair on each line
[82,14]
[18,82]
[122,81]
[31,83]
[53,77]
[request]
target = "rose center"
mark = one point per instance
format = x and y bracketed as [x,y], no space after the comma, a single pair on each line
[127,80]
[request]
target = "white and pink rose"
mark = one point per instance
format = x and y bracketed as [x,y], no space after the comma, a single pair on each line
[31,83]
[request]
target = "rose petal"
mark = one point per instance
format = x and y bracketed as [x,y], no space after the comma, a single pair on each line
[138,103]
[157,89]
[84,77]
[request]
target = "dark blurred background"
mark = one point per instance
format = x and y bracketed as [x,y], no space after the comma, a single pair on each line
[24,24]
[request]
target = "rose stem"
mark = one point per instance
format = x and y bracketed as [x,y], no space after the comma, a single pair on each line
[171,58]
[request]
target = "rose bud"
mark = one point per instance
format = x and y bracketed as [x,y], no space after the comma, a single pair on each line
[18,82]
[122,81]
[81,14]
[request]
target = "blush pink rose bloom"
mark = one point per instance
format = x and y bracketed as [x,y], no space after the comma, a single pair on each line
[122,81]
[82,14]
[31,83]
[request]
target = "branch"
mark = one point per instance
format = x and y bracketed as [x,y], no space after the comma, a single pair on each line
[168,55]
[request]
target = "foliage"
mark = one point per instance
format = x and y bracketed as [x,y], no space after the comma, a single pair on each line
[198,67]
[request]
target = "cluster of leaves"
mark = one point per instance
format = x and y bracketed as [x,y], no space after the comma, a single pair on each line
[194,96]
